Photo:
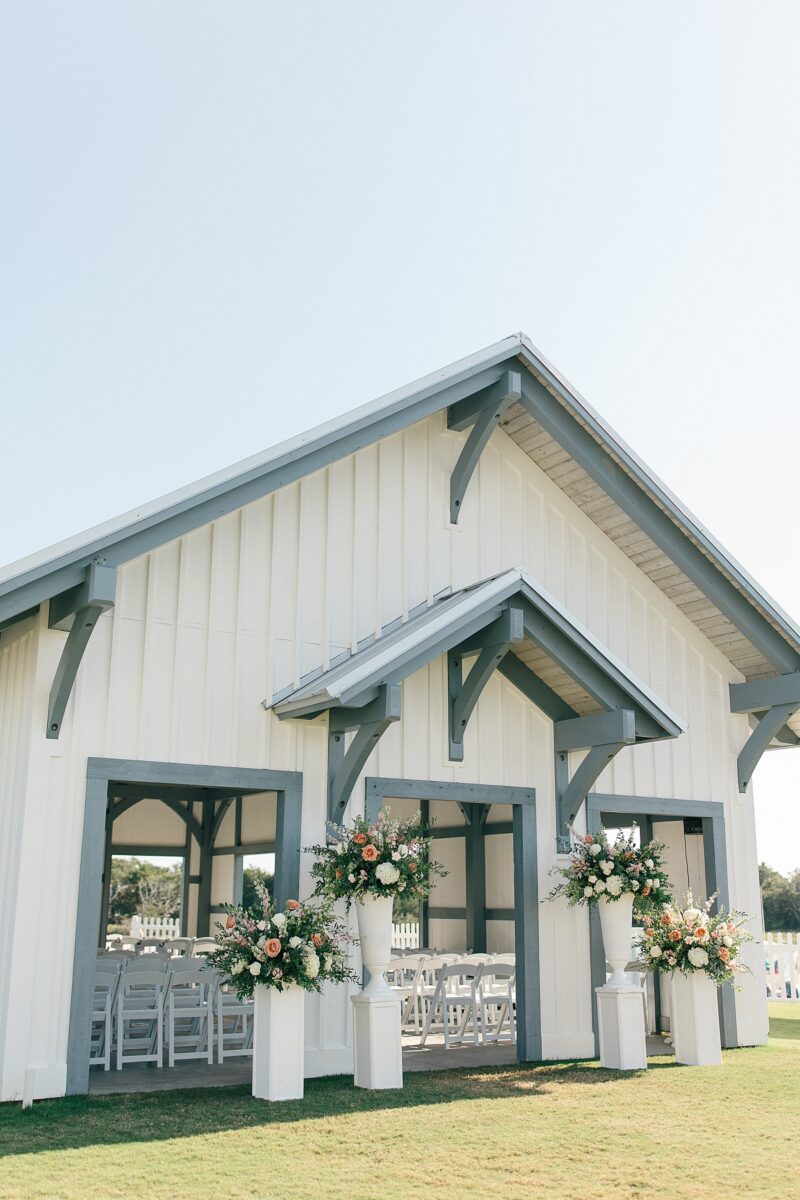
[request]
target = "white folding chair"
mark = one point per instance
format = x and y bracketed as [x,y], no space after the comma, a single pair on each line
[456,997]
[203,945]
[234,1019]
[179,946]
[140,1016]
[190,1015]
[106,982]
[407,972]
[497,1002]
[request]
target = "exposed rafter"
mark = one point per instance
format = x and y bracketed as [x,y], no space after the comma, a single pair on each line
[492,644]
[770,702]
[603,735]
[495,400]
[370,723]
[77,610]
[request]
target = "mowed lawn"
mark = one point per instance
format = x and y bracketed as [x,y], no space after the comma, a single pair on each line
[570,1130]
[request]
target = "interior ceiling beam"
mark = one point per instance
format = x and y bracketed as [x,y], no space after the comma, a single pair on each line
[620,487]
[499,397]
[77,610]
[123,803]
[369,723]
[464,693]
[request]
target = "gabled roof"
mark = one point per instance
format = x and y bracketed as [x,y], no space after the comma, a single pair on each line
[557,651]
[552,424]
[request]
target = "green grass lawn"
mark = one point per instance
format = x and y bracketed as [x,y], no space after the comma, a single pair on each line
[570,1130]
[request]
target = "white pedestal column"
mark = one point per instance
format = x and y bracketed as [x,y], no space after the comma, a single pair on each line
[620,1017]
[694,1020]
[377,1036]
[278,1043]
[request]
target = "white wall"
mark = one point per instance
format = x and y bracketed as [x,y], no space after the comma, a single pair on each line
[208,626]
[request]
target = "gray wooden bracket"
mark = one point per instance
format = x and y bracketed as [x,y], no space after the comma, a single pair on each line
[370,722]
[77,610]
[493,644]
[604,735]
[770,702]
[496,400]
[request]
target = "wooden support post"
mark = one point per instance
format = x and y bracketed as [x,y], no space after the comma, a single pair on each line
[475,816]
[526,934]
[715,857]
[287,846]
[107,862]
[206,864]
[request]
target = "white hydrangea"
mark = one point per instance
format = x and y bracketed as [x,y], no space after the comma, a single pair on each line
[595,849]
[691,915]
[634,885]
[599,886]
[592,879]
[606,867]
[255,968]
[387,874]
[727,940]
[648,862]
[238,967]
[614,885]
[588,891]
[698,957]
[311,964]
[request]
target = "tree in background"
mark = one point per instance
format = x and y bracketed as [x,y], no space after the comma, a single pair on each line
[781,898]
[142,887]
[251,876]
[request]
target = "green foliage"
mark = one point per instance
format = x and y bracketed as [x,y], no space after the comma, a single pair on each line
[781,897]
[251,878]
[142,887]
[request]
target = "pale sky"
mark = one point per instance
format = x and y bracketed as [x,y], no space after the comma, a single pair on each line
[224,223]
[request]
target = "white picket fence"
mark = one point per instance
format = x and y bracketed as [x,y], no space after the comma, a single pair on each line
[405,935]
[155,927]
[782,963]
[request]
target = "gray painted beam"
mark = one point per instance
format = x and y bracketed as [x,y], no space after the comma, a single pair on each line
[463,694]
[536,690]
[345,766]
[475,815]
[576,790]
[67,669]
[770,724]
[98,590]
[526,935]
[239,780]
[715,857]
[380,788]
[289,845]
[219,816]
[9,622]
[439,912]
[599,803]
[654,521]
[599,729]
[246,848]
[206,860]
[765,693]
[498,398]
[387,706]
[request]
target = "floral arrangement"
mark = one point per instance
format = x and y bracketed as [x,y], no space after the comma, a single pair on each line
[599,869]
[303,945]
[691,939]
[384,857]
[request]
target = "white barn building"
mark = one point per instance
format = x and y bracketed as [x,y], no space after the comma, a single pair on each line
[469,596]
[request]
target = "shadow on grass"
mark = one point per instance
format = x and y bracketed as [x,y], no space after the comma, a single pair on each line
[78,1122]
[784,1029]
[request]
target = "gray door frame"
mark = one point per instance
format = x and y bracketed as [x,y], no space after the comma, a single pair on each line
[526,883]
[644,810]
[102,772]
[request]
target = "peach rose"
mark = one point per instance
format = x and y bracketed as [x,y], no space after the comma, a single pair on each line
[292,904]
[369,853]
[412,866]
[359,838]
[675,935]
[588,839]
[318,939]
[666,919]
[724,953]
[273,947]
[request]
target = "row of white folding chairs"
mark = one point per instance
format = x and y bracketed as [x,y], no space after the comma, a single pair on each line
[138,1007]
[173,947]
[473,996]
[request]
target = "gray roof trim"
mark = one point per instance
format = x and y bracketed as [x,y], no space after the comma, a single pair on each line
[444,625]
[27,582]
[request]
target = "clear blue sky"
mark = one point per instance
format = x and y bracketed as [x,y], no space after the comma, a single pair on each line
[224,223]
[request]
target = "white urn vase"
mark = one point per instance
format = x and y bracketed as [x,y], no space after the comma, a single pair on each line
[278,1042]
[616,922]
[694,1019]
[377,1036]
[374,915]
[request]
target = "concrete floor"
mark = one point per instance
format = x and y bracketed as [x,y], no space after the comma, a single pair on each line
[144,1077]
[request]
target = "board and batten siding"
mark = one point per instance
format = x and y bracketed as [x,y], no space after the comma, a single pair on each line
[208,626]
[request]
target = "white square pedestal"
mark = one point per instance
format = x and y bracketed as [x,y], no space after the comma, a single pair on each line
[377,1042]
[620,1017]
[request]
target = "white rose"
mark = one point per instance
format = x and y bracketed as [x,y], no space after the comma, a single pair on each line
[327,959]
[262,925]
[402,850]
[279,920]
[351,878]
[606,867]
[340,848]
[599,887]
[386,874]
[311,964]
[614,885]
[595,849]
[255,968]
[691,915]
[295,941]
[634,886]
[648,862]
[592,879]
[655,952]
[587,891]
[727,940]
[395,856]
[697,957]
